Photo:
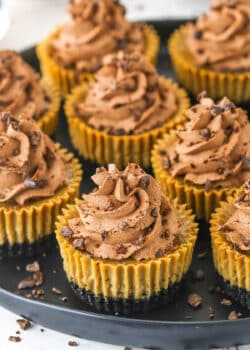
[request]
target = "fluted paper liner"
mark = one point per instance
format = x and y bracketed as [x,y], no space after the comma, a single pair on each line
[104,148]
[202,202]
[231,264]
[32,222]
[48,122]
[127,278]
[236,86]
[66,79]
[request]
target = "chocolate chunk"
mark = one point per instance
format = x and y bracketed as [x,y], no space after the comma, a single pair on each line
[148,229]
[66,231]
[162,152]
[193,166]
[208,185]
[226,302]
[165,162]
[24,324]
[149,102]
[137,114]
[234,315]
[144,181]
[201,95]
[104,235]
[220,171]
[35,138]
[38,278]
[246,163]
[72,343]
[176,158]
[34,267]
[198,34]
[15,152]
[154,212]
[78,244]
[56,291]
[199,275]
[121,249]
[229,107]
[119,132]
[123,225]
[27,282]
[122,44]
[159,253]
[206,133]
[228,131]
[42,183]
[216,110]
[211,312]
[194,300]
[30,183]
[164,234]
[15,339]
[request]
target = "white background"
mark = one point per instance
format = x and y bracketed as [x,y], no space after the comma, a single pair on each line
[29,21]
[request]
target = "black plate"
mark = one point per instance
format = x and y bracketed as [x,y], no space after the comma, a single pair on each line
[176,326]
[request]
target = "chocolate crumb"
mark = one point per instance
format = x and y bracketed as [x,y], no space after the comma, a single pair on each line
[66,231]
[234,315]
[56,291]
[104,235]
[211,312]
[72,343]
[27,282]
[228,131]
[220,171]
[226,302]
[15,339]
[194,300]
[144,181]
[119,132]
[216,110]
[34,267]
[24,324]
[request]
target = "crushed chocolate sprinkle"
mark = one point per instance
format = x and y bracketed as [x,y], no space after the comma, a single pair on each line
[194,300]
[24,324]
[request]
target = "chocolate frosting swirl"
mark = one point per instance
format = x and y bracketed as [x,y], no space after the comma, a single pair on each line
[30,166]
[128,97]
[126,216]
[20,87]
[237,228]
[95,28]
[220,40]
[214,148]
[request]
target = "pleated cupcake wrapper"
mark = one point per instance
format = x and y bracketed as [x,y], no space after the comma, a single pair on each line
[235,86]
[231,264]
[202,202]
[66,79]
[104,148]
[48,122]
[35,221]
[128,278]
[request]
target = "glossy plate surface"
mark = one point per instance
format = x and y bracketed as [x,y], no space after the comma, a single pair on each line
[176,326]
